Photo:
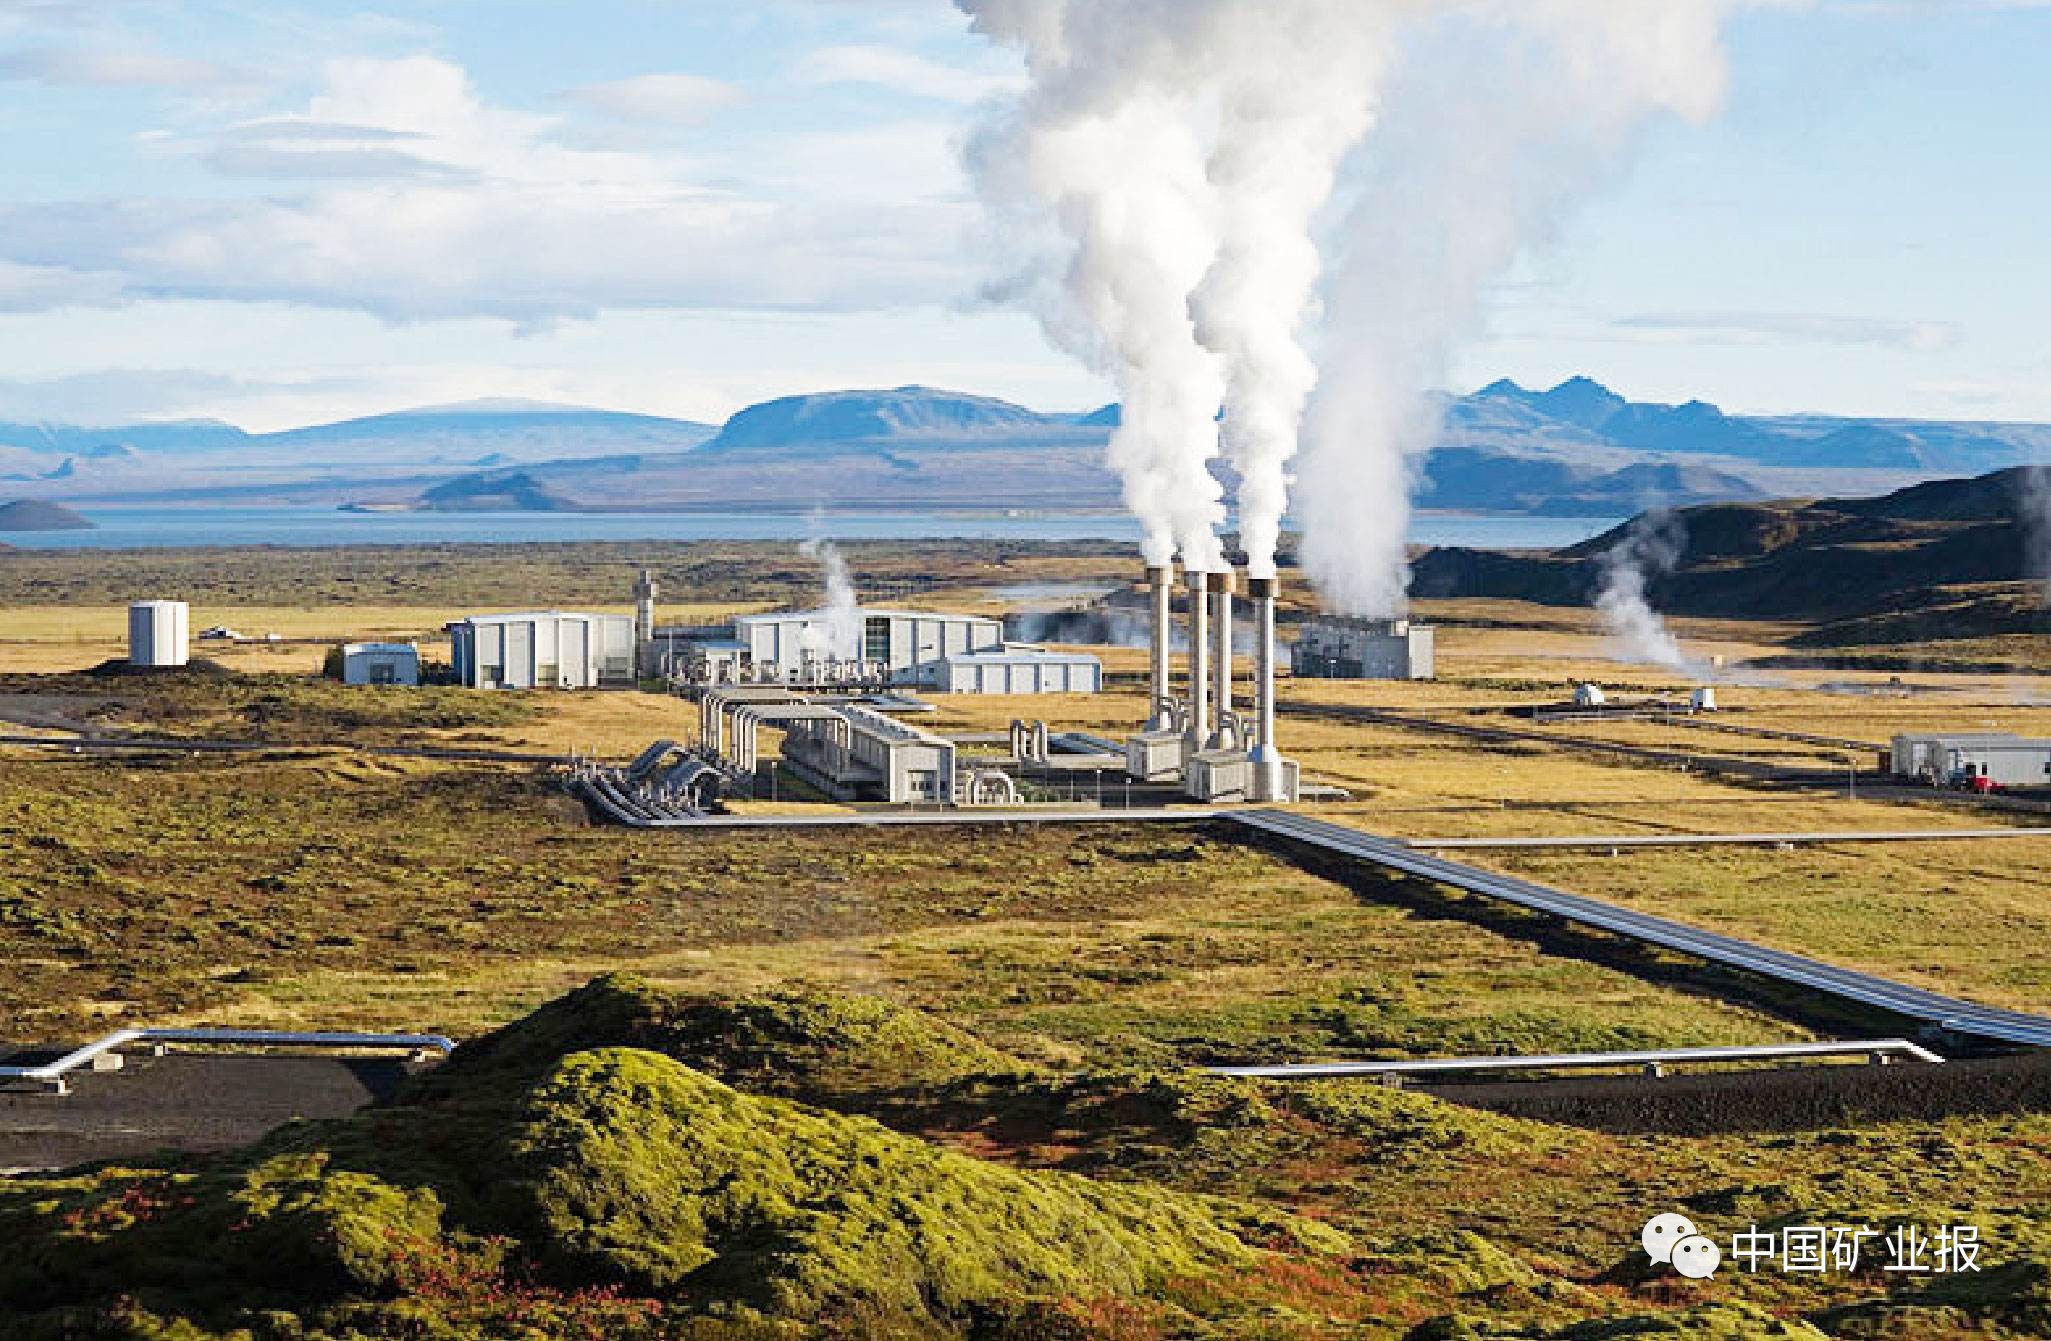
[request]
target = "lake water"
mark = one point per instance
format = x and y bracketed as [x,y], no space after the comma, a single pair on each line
[160,527]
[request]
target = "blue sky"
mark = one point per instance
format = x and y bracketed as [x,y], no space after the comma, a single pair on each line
[278,213]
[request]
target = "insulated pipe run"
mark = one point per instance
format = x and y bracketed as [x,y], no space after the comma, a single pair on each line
[1198,729]
[1161,583]
[1219,585]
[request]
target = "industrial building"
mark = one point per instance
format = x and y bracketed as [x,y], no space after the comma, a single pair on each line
[862,648]
[1974,759]
[897,646]
[380,663]
[1020,670]
[545,649]
[159,634]
[853,754]
[1332,647]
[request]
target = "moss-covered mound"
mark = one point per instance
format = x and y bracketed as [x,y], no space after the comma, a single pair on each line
[808,1044]
[614,1192]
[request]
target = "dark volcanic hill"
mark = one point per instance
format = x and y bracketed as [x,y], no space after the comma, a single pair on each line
[1950,558]
[32,514]
[500,491]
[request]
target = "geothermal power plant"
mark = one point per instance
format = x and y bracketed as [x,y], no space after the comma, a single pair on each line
[845,686]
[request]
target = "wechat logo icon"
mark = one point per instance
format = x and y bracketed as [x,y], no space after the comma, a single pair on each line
[1673,1240]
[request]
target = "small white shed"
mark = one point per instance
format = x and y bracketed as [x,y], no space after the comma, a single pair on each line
[380,663]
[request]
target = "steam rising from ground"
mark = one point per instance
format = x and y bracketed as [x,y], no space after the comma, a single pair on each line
[1650,548]
[2034,501]
[838,633]
[1166,176]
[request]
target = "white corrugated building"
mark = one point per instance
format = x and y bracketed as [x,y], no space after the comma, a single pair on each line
[1952,758]
[856,754]
[542,649]
[779,646]
[380,663]
[1020,670]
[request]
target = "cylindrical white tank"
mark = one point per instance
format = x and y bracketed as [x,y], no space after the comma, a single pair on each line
[158,633]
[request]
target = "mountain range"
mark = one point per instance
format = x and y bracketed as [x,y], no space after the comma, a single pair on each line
[1576,449]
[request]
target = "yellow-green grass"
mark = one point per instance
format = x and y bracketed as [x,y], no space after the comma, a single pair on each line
[293,891]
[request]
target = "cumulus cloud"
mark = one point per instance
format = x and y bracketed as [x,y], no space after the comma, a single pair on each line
[421,199]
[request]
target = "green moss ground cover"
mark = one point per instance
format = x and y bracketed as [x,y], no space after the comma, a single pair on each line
[585,1173]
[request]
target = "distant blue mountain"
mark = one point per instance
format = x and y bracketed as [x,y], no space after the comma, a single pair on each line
[482,421]
[1577,448]
[906,414]
[194,435]
[1582,412]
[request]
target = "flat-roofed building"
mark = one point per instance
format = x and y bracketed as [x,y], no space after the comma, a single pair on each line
[856,754]
[1020,670]
[1956,758]
[543,649]
[380,663]
[901,646]
[1335,647]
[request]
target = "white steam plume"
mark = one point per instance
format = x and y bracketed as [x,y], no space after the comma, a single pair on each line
[1171,159]
[1501,116]
[838,633]
[1111,155]
[1298,83]
[1184,149]
[1650,548]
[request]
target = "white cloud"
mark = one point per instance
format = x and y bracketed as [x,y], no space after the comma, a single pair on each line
[95,67]
[423,200]
[1922,337]
[658,99]
[902,72]
[34,288]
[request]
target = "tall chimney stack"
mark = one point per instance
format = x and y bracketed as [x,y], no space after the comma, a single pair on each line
[1270,777]
[645,592]
[1161,587]
[1219,586]
[1197,730]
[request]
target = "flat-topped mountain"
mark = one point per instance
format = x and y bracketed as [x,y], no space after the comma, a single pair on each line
[911,412]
